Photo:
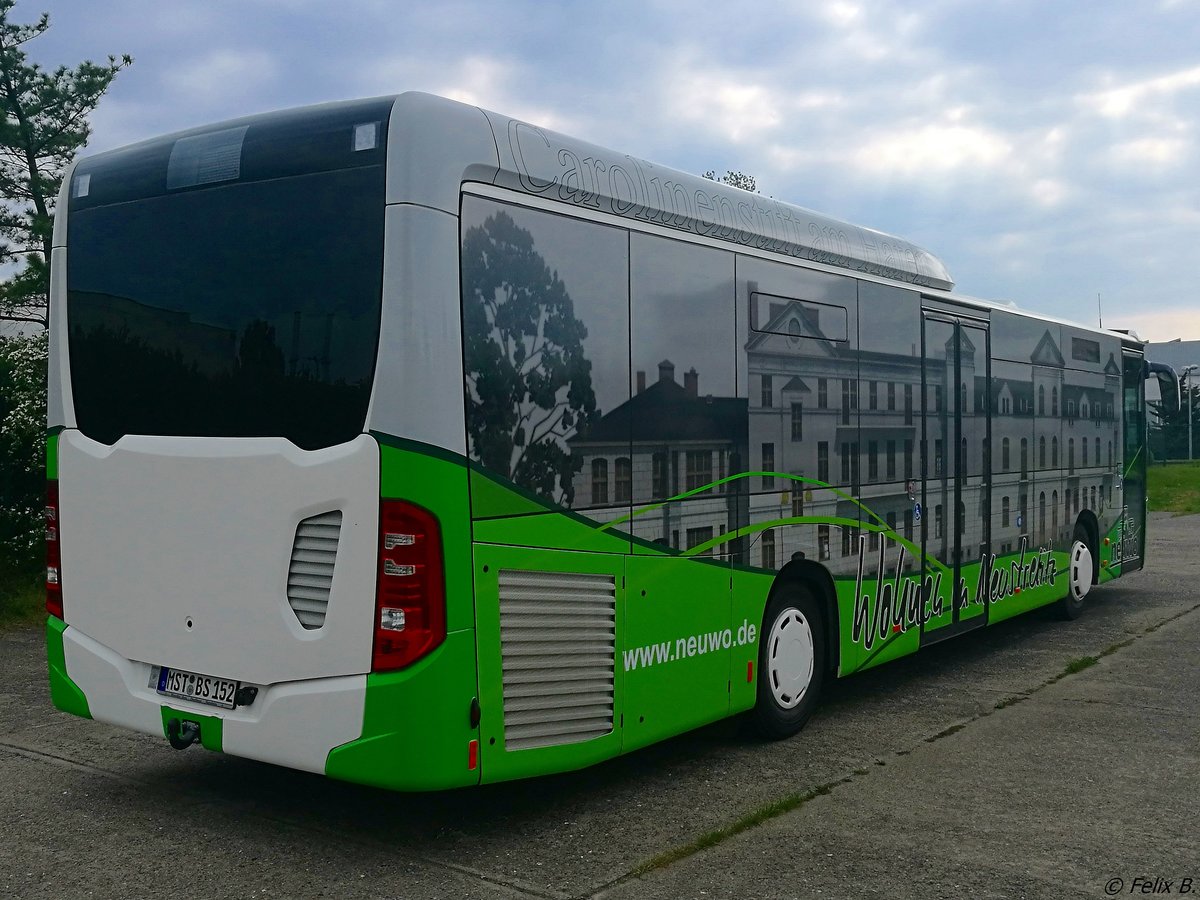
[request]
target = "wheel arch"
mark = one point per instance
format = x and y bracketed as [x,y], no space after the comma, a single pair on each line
[816,578]
[1089,523]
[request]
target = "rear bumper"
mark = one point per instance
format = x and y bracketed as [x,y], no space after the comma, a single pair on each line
[292,724]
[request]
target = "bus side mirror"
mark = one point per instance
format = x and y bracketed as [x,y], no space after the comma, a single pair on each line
[1167,383]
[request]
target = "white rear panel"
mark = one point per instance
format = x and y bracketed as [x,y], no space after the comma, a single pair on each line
[177,552]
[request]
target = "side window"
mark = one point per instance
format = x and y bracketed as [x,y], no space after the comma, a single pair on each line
[889,334]
[797,327]
[546,351]
[686,427]
[599,482]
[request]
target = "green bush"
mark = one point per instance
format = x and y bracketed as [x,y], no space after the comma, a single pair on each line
[22,596]
[22,452]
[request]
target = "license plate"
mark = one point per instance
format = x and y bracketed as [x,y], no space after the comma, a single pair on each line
[198,688]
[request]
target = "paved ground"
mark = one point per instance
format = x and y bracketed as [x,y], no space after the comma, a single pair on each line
[971,769]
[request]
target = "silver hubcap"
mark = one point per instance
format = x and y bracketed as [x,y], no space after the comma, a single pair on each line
[790,658]
[1081,570]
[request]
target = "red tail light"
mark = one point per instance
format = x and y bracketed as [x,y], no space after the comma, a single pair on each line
[54,604]
[410,599]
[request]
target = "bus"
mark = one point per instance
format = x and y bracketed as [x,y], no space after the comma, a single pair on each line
[423,447]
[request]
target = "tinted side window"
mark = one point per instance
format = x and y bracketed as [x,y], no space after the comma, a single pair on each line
[546,351]
[797,359]
[688,427]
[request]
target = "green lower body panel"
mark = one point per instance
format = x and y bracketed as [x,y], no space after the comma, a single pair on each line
[64,693]
[750,592]
[517,740]
[882,616]
[1036,580]
[1110,554]
[417,731]
[632,636]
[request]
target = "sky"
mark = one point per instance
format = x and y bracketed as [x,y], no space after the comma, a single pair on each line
[1047,152]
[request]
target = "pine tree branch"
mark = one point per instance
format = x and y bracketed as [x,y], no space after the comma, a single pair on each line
[35,320]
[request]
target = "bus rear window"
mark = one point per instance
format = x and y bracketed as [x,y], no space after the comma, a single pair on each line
[235,309]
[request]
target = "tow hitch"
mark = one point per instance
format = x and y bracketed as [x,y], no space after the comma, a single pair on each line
[182,734]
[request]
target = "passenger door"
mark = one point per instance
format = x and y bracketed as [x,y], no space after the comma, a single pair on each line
[956,445]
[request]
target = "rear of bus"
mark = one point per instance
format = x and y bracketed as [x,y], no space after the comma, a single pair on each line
[226,565]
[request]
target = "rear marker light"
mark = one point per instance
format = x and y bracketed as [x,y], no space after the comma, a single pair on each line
[391,619]
[473,755]
[410,601]
[54,604]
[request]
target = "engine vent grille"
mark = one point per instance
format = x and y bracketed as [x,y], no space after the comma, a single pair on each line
[557,644]
[310,574]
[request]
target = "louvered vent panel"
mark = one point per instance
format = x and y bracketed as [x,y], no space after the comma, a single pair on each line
[310,574]
[557,642]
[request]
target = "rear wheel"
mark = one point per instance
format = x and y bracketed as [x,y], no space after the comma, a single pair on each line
[1080,570]
[791,662]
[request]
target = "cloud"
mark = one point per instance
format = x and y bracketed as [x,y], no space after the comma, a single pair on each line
[933,151]
[841,14]
[1154,152]
[733,104]
[1133,98]
[1161,324]
[496,83]
[1050,192]
[872,31]
[492,82]
[209,80]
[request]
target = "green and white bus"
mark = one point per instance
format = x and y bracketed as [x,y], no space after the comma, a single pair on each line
[419,446]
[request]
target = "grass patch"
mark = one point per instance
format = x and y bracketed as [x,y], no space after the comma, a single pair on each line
[22,597]
[1117,646]
[946,732]
[1010,701]
[748,821]
[1078,665]
[1174,488]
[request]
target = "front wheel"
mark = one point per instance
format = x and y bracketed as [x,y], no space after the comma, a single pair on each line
[792,661]
[1080,569]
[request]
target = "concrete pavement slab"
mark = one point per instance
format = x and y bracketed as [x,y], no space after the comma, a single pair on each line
[1052,797]
[90,835]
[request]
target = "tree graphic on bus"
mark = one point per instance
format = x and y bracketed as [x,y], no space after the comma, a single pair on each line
[529,385]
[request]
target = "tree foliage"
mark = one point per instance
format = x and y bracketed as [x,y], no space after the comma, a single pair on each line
[22,448]
[45,123]
[1172,437]
[734,179]
[529,383]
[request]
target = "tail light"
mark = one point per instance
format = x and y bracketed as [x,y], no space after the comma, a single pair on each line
[410,597]
[54,604]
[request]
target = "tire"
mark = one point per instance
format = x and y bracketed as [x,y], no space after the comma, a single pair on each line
[1081,567]
[792,662]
